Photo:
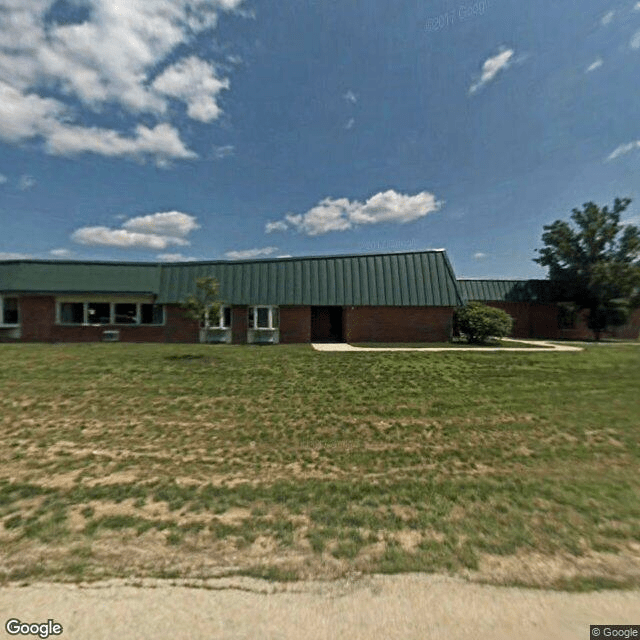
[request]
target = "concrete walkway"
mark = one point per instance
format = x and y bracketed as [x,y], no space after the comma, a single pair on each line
[540,346]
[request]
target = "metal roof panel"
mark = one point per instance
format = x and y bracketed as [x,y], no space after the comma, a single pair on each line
[399,279]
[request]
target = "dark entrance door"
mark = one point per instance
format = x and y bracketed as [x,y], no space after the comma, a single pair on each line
[326,324]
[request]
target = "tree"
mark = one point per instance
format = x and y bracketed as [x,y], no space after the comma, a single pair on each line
[479,322]
[204,304]
[596,263]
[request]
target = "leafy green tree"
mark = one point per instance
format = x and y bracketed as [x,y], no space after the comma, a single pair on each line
[596,263]
[479,322]
[203,305]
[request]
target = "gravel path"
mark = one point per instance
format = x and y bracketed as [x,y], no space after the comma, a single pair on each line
[402,607]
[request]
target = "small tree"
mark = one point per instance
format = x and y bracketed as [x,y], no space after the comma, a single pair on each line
[479,322]
[203,305]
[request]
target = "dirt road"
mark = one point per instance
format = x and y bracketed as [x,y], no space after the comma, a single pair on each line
[404,607]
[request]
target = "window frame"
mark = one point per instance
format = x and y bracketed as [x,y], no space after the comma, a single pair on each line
[9,324]
[273,312]
[112,313]
[221,317]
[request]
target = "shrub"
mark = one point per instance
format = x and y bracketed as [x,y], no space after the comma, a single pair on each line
[479,322]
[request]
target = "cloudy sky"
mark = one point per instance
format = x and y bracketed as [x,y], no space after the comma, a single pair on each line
[229,129]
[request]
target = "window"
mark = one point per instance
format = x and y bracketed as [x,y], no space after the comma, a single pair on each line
[263,318]
[262,321]
[224,318]
[151,314]
[126,313]
[99,313]
[72,313]
[9,307]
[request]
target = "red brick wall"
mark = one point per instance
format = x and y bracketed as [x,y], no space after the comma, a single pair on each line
[38,314]
[519,311]
[360,324]
[295,324]
[531,320]
[178,327]
[544,321]
[397,324]
[239,321]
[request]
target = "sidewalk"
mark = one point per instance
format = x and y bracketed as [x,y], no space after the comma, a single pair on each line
[544,346]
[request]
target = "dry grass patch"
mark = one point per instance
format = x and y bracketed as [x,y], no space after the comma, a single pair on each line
[160,460]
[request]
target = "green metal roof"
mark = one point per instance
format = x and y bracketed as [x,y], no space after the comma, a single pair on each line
[508,290]
[423,278]
[30,276]
[397,279]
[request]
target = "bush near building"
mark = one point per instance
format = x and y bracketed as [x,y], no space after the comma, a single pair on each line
[479,322]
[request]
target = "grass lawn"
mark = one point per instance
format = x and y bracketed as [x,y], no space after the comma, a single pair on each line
[198,461]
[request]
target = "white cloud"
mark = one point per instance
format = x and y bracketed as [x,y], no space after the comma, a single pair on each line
[3,179]
[350,97]
[174,257]
[108,57]
[623,149]
[105,237]
[8,255]
[155,231]
[60,253]
[635,40]
[26,182]
[170,223]
[247,254]
[162,143]
[607,18]
[597,63]
[26,115]
[637,6]
[479,255]
[194,82]
[341,214]
[634,220]
[491,67]
[350,123]
[279,225]
[223,152]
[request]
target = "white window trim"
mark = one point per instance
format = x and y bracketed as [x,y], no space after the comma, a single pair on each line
[220,323]
[112,313]
[271,309]
[11,324]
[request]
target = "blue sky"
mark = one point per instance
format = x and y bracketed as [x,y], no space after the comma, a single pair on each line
[227,129]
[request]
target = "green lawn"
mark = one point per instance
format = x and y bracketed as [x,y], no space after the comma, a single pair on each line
[196,461]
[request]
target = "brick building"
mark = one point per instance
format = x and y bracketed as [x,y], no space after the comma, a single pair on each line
[394,297]
[533,305]
[388,298]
